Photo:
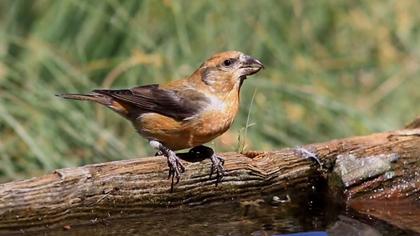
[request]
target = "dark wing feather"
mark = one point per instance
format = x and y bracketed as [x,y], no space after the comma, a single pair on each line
[178,104]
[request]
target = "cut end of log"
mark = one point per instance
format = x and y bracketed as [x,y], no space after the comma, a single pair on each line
[352,170]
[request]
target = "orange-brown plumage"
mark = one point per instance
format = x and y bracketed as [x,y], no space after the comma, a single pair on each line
[189,133]
[183,113]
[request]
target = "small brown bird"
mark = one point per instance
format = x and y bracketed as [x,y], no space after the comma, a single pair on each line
[183,113]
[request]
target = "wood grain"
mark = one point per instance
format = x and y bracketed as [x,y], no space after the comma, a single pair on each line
[128,187]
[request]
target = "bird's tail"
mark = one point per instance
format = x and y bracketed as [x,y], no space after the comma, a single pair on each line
[99,98]
[95,97]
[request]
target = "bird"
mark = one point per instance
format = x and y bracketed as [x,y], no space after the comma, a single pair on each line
[184,113]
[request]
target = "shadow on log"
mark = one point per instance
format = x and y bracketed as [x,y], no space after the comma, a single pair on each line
[379,167]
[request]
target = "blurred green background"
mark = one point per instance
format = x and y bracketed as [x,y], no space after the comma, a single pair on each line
[333,69]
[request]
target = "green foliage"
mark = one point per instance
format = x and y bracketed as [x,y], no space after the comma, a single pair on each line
[333,69]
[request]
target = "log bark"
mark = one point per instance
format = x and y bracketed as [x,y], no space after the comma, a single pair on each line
[129,187]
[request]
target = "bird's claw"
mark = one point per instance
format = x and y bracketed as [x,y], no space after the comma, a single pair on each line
[175,168]
[216,161]
[174,163]
[217,166]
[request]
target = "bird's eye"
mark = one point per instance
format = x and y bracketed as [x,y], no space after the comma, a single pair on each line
[228,62]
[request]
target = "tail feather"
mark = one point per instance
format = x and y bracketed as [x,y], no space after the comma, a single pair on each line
[77,96]
[96,97]
[99,98]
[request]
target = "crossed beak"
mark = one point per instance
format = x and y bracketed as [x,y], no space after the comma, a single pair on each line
[250,65]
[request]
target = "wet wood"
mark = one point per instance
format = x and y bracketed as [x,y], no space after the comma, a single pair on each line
[402,213]
[231,218]
[129,187]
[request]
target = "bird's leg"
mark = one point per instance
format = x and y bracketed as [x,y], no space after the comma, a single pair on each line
[307,154]
[174,163]
[216,161]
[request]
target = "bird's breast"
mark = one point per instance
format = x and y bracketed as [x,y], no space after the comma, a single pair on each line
[216,118]
[212,121]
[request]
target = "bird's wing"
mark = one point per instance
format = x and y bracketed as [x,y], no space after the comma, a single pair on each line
[178,104]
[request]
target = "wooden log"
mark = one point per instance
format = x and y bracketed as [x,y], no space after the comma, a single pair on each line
[129,187]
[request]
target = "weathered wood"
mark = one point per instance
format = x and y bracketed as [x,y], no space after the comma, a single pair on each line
[121,188]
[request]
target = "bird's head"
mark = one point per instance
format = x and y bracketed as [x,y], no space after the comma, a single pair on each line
[226,71]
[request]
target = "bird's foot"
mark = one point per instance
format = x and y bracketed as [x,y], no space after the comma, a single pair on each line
[175,167]
[174,162]
[216,161]
[307,154]
[217,166]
